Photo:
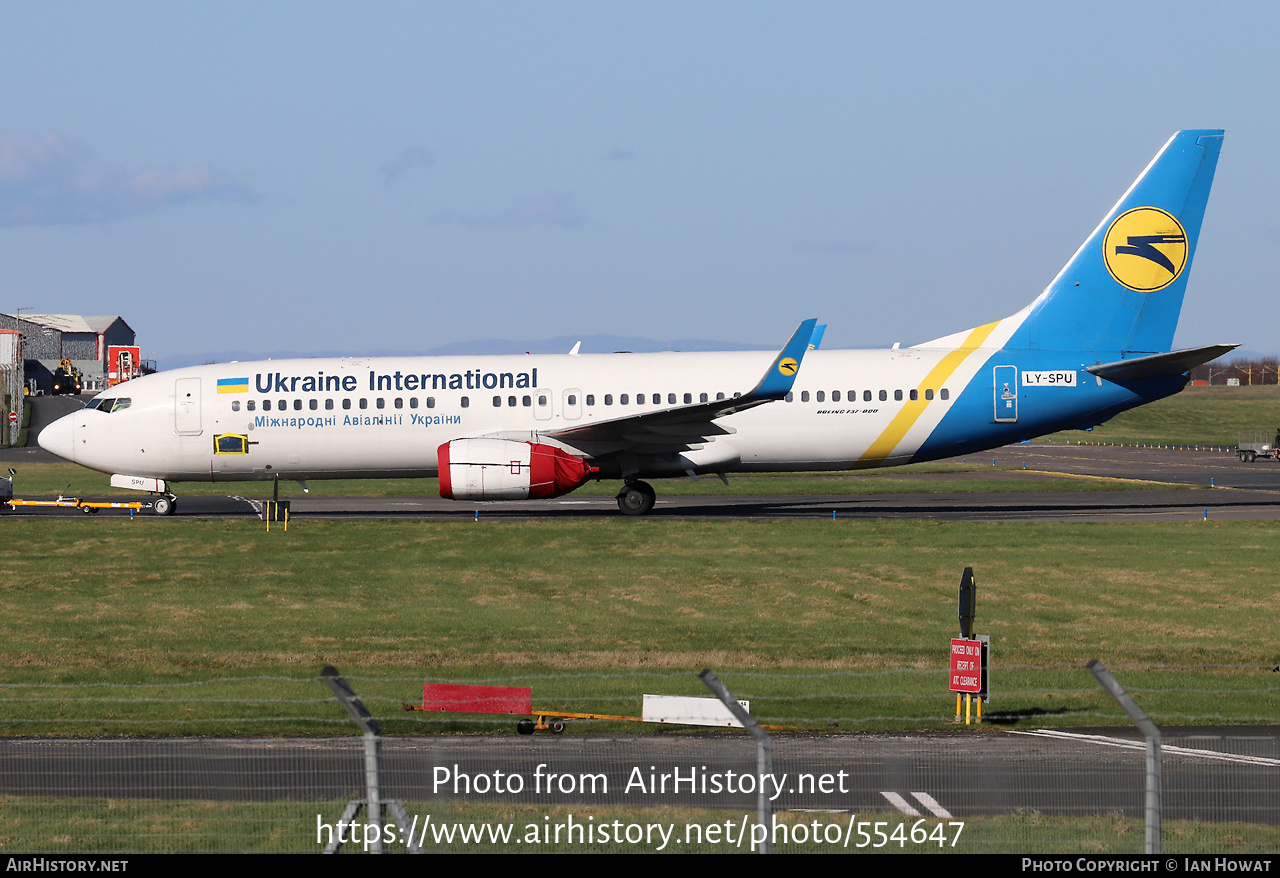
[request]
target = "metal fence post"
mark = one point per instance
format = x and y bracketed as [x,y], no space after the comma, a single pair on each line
[764,754]
[1152,736]
[372,763]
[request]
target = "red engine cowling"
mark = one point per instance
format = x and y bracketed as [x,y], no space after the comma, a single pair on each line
[502,469]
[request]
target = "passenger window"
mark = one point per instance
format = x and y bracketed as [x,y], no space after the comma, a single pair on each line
[671,399]
[835,396]
[282,405]
[313,404]
[297,405]
[866,396]
[928,394]
[526,401]
[719,396]
[364,403]
[657,399]
[266,405]
[346,404]
[622,400]
[573,399]
[497,402]
[250,405]
[399,402]
[821,396]
[413,402]
[639,399]
[328,404]
[431,402]
[608,399]
[380,403]
[702,397]
[883,396]
[591,399]
[688,398]
[466,402]
[897,395]
[511,401]
[915,394]
[542,400]
[235,405]
[804,396]
[945,393]
[790,396]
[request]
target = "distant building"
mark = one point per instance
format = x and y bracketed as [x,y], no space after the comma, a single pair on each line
[11,401]
[85,341]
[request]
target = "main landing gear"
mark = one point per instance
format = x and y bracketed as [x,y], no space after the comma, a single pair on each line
[164,504]
[636,497]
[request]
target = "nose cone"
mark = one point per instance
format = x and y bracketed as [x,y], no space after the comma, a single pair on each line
[57,438]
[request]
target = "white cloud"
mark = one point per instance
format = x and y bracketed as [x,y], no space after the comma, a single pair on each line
[48,179]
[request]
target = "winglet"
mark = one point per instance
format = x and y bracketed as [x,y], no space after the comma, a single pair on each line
[816,341]
[777,381]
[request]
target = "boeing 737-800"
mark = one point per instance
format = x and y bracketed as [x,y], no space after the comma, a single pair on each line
[1095,342]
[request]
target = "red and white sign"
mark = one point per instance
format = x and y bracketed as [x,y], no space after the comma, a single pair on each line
[966,665]
[123,363]
[13,417]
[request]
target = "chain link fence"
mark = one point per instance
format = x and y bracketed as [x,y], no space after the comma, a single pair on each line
[601,786]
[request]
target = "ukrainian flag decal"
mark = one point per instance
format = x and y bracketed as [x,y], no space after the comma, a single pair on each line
[233,385]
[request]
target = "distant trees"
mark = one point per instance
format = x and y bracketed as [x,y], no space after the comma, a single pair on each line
[1248,370]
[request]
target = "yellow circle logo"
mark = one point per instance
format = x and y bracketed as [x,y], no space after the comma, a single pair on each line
[1145,249]
[788,366]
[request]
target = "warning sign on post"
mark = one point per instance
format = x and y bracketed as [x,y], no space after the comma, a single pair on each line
[966,665]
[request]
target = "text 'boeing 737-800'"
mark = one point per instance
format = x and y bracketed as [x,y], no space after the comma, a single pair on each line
[1095,342]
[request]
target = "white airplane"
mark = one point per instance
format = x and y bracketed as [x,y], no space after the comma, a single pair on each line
[1094,343]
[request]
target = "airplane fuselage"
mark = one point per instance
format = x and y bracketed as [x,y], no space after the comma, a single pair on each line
[355,418]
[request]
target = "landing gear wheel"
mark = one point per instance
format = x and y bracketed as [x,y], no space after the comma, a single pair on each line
[636,498]
[164,505]
[525,727]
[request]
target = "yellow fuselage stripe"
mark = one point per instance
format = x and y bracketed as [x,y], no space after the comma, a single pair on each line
[914,408]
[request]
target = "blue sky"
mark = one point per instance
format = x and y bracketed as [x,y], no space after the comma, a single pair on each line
[312,176]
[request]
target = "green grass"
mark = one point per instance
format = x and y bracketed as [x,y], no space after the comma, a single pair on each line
[831,624]
[1196,416]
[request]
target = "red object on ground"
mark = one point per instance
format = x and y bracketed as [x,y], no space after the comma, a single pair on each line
[455,698]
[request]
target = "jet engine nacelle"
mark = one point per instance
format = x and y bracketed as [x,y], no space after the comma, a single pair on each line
[502,469]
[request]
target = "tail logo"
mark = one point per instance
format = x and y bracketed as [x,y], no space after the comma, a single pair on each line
[1145,249]
[788,366]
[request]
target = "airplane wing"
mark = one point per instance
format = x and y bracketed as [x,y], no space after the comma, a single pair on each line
[664,431]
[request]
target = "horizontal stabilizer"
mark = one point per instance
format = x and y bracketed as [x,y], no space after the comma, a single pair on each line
[1173,363]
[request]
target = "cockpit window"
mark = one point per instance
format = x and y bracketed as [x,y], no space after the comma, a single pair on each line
[109,404]
[122,402]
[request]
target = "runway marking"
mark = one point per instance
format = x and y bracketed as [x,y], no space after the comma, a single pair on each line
[901,804]
[1086,476]
[932,804]
[1126,744]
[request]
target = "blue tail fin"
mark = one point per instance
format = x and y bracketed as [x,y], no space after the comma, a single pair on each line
[1122,291]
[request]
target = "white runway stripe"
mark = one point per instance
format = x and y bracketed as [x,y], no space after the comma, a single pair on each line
[901,804]
[932,804]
